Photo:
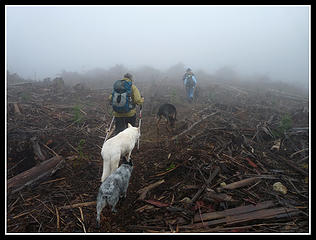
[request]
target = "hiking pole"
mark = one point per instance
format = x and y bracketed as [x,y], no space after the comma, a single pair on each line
[108,130]
[139,124]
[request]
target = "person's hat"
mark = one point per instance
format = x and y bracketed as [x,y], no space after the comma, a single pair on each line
[128,75]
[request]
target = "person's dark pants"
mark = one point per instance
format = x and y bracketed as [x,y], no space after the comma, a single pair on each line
[121,123]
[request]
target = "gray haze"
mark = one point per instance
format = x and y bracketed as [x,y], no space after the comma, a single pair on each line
[42,41]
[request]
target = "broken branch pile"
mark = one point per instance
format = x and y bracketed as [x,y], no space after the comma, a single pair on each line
[216,173]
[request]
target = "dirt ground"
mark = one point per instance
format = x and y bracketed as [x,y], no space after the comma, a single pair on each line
[234,134]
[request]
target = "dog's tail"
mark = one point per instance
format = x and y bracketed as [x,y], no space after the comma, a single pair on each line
[102,201]
[99,210]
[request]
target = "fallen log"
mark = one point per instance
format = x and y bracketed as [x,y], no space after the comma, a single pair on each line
[220,197]
[143,191]
[239,184]
[39,172]
[280,212]
[232,211]
[261,214]
[294,166]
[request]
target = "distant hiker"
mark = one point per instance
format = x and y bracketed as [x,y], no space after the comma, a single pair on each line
[186,74]
[124,98]
[189,82]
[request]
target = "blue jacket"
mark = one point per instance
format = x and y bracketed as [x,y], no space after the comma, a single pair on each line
[193,78]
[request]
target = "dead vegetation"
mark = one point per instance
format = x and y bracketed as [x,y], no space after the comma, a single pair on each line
[215,174]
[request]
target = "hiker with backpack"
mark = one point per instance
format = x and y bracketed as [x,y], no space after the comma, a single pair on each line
[124,98]
[189,82]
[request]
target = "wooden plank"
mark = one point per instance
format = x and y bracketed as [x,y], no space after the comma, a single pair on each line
[254,215]
[261,214]
[233,211]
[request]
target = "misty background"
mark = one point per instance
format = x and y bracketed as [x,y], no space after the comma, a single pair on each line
[262,43]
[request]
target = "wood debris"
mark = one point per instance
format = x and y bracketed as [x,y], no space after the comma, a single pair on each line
[239,135]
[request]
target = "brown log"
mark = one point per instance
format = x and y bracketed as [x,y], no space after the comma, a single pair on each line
[220,197]
[254,215]
[240,183]
[143,191]
[294,166]
[261,214]
[39,172]
[233,211]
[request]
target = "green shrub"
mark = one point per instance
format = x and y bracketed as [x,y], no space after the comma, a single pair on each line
[78,160]
[285,124]
[77,115]
[80,145]
[172,166]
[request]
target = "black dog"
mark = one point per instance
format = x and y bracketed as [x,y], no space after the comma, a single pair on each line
[170,114]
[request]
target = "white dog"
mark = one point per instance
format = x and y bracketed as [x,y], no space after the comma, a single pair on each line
[120,145]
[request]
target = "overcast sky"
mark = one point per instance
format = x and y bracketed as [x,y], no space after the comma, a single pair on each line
[272,40]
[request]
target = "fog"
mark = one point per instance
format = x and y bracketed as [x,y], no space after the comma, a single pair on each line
[270,41]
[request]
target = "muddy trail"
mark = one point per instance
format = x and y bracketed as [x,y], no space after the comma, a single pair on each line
[215,173]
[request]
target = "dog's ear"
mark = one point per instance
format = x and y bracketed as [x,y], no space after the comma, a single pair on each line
[129,125]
